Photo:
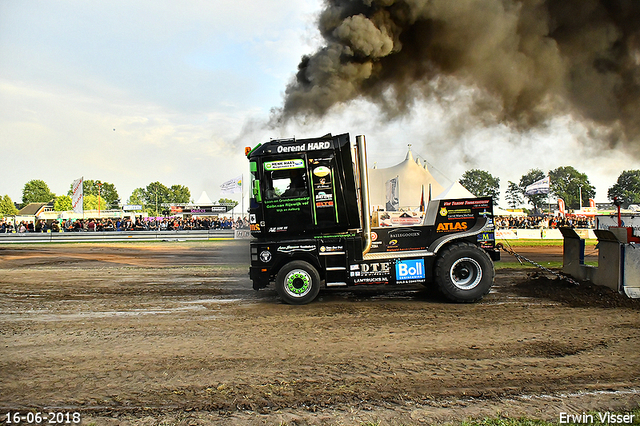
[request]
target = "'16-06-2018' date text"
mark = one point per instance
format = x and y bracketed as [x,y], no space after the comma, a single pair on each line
[38,418]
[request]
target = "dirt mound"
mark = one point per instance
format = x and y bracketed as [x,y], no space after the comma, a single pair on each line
[541,286]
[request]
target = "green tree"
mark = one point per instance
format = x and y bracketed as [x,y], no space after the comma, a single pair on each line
[63,203]
[36,191]
[513,195]
[154,195]
[137,197]
[627,188]
[228,201]
[179,194]
[533,175]
[7,208]
[92,202]
[482,184]
[567,183]
[107,192]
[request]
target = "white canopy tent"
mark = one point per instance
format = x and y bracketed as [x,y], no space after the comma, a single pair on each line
[454,191]
[412,179]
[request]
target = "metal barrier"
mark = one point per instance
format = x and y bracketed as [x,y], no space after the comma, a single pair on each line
[114,236]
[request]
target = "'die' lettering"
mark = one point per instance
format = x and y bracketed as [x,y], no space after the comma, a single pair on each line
[450,226]
[311,146]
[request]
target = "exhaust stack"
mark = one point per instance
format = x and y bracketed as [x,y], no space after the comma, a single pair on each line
[364,192]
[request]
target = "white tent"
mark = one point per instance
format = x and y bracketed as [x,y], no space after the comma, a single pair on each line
[454,191]
[204,199]
[412,178]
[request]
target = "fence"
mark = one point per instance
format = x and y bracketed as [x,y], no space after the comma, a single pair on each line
[535,234]
[115,236]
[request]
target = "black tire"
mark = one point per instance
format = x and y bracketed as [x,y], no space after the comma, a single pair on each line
[298,282]
[464,273]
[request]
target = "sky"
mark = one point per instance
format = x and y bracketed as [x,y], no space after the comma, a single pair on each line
[136,92]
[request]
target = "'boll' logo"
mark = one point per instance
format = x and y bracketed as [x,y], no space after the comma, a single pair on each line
[410,270]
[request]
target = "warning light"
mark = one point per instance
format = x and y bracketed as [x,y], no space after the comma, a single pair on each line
[247,150]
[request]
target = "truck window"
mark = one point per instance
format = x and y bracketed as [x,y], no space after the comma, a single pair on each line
[285,184]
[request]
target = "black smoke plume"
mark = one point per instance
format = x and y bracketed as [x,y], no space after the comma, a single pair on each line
[530,59]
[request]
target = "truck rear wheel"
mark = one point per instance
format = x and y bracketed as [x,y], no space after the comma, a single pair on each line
[464,273]
[298,282]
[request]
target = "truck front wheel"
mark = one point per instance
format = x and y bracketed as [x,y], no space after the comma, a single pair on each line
[298,282]
[464,273]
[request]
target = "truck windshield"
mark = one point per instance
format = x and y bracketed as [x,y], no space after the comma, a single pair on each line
[285,183]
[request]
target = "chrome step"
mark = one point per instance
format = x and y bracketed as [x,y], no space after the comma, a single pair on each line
[397,254]
[336,284]
[331,253]
[336,268]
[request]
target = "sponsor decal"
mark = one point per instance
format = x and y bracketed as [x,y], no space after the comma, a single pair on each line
[459,214]
[354,267]
[274,229]
[290,249]
[443,211]
[486,236]
[321,171]
[393,243]
[296,163]
[252,218]
[287,205]
[323,196]
[474,204]
[265,256]
[254,227]
[372,273]
[452,227]
[371,280]
[311,146]
[331,248]
[409,270]
[374,236]
[404,233]
[324,204]
[375,268]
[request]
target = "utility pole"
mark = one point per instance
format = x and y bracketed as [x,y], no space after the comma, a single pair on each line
[99,192]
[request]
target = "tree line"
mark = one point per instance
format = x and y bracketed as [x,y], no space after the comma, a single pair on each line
[566,183]
[97,194]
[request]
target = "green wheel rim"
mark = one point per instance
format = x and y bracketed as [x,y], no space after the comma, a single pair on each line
[298,283]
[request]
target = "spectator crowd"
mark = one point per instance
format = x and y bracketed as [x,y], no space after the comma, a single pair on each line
[552,222]
[125,224]
[206,223]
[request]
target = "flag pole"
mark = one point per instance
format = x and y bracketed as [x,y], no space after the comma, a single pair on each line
[242,198]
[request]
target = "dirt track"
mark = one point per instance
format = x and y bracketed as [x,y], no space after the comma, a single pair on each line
[172,332]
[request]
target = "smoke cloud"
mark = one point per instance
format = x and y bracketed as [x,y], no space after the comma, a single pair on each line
[527,60]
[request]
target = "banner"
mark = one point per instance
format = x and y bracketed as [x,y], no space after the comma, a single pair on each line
[392,197]
[232,186]
[561,207]
[539,187]
[592,202]
[422,200]
[77,196]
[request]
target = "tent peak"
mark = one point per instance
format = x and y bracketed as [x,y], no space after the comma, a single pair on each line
[409,154]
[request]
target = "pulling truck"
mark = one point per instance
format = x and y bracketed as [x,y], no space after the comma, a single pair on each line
[310,218]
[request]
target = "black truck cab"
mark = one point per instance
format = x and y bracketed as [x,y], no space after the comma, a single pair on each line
[310,219]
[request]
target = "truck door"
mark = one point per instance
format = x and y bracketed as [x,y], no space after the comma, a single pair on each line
[323,191]
[286,195]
